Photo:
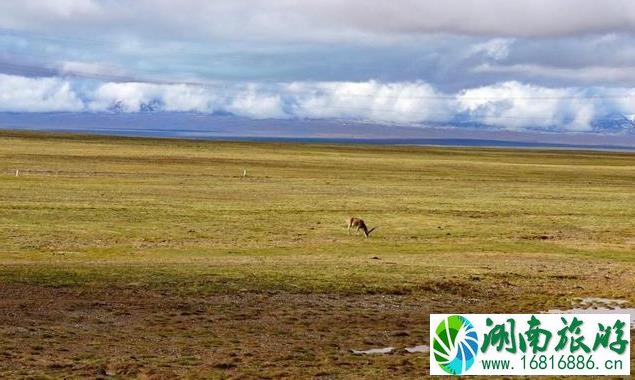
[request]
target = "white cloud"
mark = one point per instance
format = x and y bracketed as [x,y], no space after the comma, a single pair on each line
[246,100]
[20,94]
[517,106]
[497,48]
[374,101]
[128,97]
[256,104]
[182,97]
[509,105]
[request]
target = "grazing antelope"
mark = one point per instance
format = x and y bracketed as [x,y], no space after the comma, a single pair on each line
[356,222]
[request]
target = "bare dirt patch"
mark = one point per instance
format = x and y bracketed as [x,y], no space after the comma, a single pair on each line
[87,333]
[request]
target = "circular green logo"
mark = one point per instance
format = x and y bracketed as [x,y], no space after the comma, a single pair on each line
[455,344]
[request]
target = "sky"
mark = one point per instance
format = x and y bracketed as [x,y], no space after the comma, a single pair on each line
[552,65]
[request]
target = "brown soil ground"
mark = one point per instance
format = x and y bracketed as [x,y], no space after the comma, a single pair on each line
[61,332]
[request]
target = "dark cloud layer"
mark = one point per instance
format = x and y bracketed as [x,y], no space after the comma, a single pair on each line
[322,20]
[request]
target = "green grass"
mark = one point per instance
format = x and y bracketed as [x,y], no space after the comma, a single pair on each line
[490,229]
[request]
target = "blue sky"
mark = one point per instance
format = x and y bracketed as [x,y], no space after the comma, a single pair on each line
[565,65]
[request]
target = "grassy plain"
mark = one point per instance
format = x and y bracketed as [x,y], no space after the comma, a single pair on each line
[124,257]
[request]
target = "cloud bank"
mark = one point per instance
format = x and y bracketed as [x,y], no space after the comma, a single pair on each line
[20,94]
[508,105]
[325,20]
[449,44]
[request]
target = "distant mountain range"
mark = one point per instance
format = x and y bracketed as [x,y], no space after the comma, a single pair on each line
[617,135]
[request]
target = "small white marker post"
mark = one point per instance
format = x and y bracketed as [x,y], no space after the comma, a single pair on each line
[244,173]
[17,172]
